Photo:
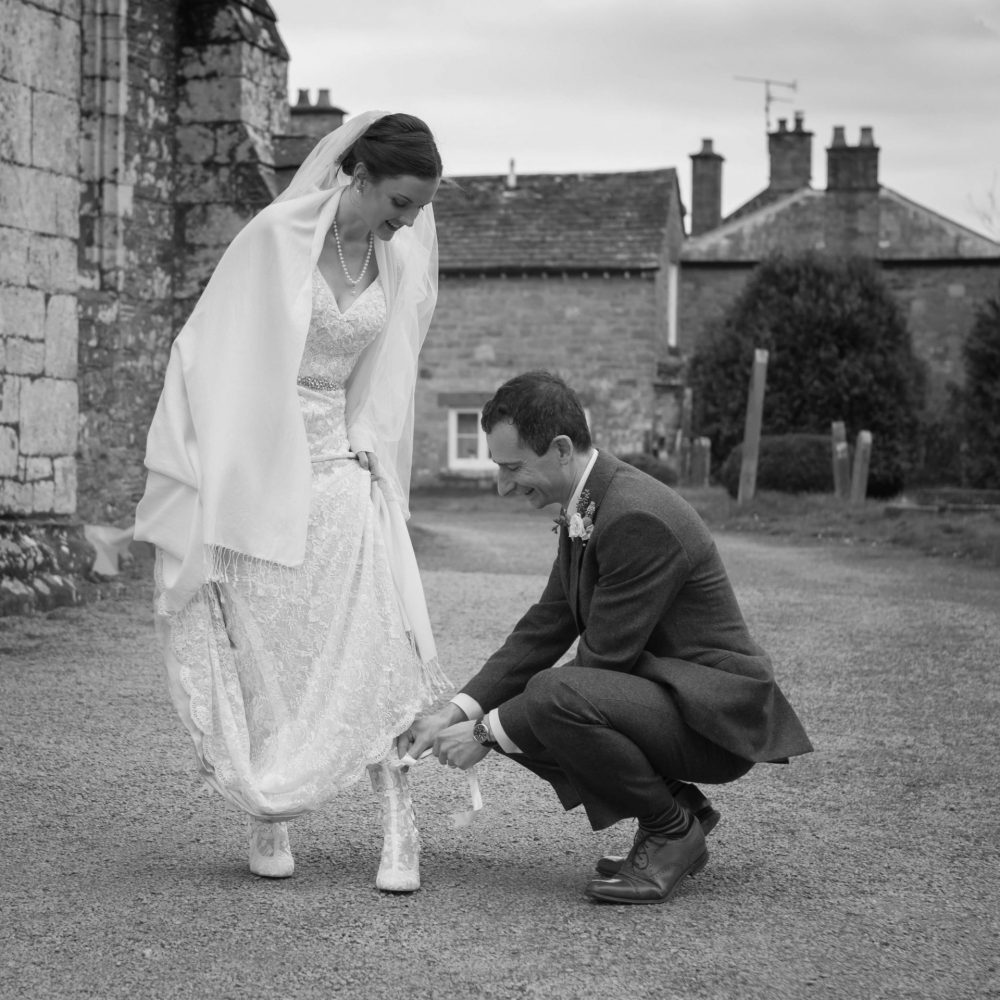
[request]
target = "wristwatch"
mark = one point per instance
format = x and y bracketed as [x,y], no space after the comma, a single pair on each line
[481,734]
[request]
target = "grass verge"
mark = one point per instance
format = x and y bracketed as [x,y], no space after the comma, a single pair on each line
[973,536]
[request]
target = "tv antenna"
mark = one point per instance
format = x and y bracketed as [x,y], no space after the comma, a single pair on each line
[769,97]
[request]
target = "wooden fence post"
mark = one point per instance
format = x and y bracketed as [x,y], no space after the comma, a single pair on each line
[684,452]
[841,461]
[701,461]
[862,458]
[751,433]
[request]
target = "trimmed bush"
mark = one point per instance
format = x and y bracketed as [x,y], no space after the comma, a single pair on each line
[786,463]
[652,466]
[838,349]
[981,411]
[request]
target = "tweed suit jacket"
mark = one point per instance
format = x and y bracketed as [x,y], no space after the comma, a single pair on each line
[648,594]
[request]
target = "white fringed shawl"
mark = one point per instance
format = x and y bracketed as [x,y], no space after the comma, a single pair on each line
[226,454]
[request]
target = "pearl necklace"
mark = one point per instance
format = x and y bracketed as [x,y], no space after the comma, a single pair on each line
[340,253]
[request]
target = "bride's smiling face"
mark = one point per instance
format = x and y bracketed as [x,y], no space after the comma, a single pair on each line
[393,202]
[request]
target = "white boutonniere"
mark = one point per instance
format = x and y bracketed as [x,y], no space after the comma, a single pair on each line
[581,522]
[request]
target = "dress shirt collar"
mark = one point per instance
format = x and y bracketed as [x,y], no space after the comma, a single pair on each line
[575,498]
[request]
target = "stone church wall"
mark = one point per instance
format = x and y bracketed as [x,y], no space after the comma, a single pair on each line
[136,138]
[202,90]
[39,227]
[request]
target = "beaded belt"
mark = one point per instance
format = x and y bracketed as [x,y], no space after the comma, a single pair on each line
[317,382]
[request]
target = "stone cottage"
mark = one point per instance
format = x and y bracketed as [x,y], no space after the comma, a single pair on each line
[938,269]
[577,273]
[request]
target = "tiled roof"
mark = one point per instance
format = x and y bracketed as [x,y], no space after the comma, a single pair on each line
[800,221]
[555,222]
[758,201]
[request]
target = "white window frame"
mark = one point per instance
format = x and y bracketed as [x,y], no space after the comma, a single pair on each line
[482,461]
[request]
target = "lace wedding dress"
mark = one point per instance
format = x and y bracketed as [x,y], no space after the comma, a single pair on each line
[291,681]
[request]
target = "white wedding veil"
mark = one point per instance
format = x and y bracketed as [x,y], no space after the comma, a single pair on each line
[319,170]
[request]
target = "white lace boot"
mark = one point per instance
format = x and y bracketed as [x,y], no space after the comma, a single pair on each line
[270,853]
[399,870]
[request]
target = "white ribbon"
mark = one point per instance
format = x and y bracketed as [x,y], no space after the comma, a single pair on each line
[463,817]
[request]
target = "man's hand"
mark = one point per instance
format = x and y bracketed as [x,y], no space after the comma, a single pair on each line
[457,747]
[420,736]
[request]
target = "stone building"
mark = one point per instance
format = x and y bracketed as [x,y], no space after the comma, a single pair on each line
[938,270]
[136,138]
[576,273]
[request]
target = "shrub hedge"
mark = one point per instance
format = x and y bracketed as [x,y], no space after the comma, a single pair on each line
[786,463]
[652,466]
[839,349]
[981,353]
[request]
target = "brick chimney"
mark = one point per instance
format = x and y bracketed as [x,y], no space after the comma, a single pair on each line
[315,120]
[706,189]
[852,168]
[790,151]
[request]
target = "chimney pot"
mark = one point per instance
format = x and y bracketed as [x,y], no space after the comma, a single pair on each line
[706,188]
[790,154]
[313,121]
[852,168]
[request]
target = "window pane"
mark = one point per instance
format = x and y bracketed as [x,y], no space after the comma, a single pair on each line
[467,447]
[468,423]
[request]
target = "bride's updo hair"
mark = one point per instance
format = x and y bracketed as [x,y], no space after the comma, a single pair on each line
[395,145]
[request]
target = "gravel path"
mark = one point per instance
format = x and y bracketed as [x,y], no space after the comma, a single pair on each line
[866,870]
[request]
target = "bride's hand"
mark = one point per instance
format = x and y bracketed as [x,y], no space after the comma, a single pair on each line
[369,462]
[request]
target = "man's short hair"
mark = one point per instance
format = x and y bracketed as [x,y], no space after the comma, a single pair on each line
[541,406]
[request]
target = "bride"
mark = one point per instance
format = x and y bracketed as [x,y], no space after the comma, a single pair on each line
[288,602]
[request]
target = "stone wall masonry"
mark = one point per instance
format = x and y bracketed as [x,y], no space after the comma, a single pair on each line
[127,263]
[43,565]
[39,229]
[15,119]
[704,296]
[40,46]
[206,89]
[39,201]
[62,334]
[601,334]
[940,303]
[48,417]
[55,143]
[9,456]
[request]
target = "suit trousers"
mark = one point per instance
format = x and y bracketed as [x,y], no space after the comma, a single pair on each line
[612,741]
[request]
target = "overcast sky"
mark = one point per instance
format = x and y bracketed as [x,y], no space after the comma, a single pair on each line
[598,85]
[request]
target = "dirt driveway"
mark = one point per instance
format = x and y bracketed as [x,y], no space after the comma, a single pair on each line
[867,870]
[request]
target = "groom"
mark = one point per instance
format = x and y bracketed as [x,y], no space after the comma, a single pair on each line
[666,686]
